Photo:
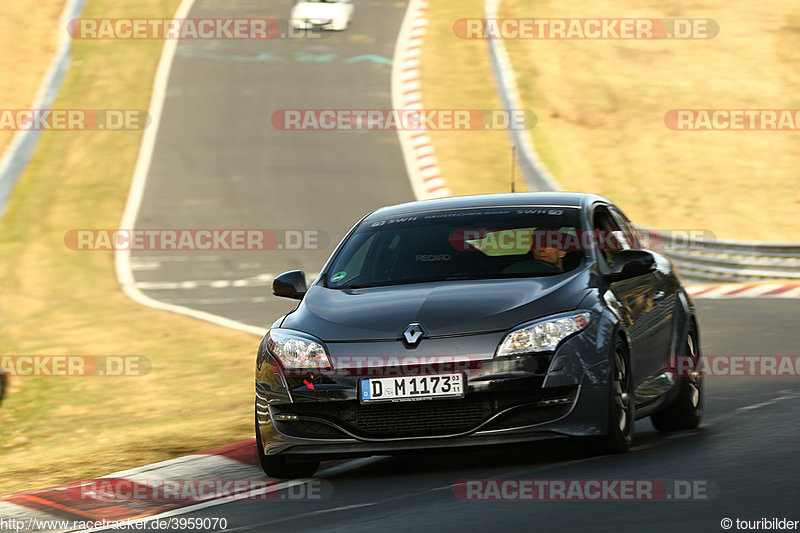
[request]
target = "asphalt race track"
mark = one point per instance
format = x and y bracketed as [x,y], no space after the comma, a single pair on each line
[219,163]
[744,455]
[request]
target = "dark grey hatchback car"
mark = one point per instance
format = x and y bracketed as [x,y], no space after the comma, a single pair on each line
[476,320]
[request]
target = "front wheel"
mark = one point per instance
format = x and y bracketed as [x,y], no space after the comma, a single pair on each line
[686,411]
[619,427]
[276,466]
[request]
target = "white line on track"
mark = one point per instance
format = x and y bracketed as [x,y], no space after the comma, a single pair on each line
[312,513]
[769,402]
[254,281]
[220,301]
[755,406]
[145,265]
[683,435]
[123,257]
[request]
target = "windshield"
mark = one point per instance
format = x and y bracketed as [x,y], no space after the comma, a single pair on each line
[463,244]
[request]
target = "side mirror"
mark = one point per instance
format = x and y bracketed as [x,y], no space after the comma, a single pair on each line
[290,284]
[631,263]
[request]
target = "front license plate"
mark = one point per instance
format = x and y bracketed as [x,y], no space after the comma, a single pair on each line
[409,388]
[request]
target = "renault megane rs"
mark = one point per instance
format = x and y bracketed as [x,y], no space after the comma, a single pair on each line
[476,320]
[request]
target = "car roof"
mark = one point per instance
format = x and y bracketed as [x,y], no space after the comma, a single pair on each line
[561,199]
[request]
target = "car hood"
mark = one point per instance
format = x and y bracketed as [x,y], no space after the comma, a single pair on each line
[443,308]
[317,11]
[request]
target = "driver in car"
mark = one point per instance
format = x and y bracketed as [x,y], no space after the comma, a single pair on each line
[554,256]
[550,252]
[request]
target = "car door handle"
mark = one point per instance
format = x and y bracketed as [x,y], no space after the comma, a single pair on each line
[659,295]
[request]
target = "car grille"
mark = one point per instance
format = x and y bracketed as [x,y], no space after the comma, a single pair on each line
[420,418]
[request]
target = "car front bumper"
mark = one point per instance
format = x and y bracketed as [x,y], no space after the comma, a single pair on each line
[506,400]
[315,23]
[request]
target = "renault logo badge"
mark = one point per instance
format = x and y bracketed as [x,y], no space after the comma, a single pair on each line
[413,333]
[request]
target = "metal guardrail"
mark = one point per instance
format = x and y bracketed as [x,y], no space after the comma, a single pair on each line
[15,159]
[727,260]
[534,171]
[702,260]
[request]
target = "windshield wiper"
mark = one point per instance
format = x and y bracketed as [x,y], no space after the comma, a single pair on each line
[361,285]
[388,283]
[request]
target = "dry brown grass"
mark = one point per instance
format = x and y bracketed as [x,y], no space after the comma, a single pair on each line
[456,74]
[56,301]
[28,39]
[601,107]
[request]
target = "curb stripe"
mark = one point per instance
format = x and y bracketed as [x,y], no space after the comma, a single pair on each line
[406,94]
[73,502]
[741,289]
[779,290]
[243,451]
[748,290]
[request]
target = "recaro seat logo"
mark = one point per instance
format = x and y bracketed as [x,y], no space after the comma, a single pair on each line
[413,333]
[433,257]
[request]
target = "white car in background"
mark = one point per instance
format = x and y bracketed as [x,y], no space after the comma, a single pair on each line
[322,14]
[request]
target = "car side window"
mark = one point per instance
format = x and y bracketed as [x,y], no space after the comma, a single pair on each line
[608,232]
[631,235]
[355,266]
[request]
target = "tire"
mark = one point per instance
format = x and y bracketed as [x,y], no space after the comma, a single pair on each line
[621,413]
[686,410]
[276,466]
